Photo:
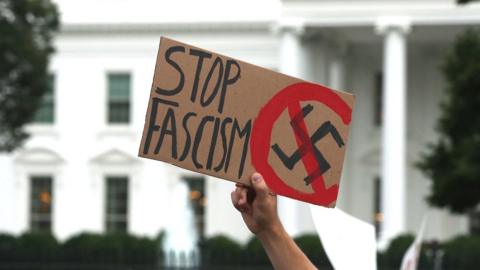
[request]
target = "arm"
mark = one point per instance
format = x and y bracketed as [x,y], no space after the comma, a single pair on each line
[260,216]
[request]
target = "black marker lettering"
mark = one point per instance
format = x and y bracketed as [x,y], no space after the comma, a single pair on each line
[201,56]
[307,143]
[213,143]
[218,62]
[152,126]
[224,143]
[227,80]
[167,102]
[188,140]
[169,118]
[179,87]
[198,138]
[245,132]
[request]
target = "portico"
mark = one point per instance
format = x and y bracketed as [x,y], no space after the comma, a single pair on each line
[393,36]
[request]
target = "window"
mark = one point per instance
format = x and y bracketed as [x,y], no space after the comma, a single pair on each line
[41,204]
[117,204]
[118,98]
[46,109]
[198,200]
[377,205]
[378,99]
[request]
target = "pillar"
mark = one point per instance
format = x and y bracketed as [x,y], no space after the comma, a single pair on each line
[393,129]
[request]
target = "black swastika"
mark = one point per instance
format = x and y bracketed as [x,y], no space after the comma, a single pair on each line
[309,146]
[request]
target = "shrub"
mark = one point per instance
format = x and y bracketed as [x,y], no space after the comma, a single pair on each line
[312,247]
[462,253]
[8,247]
[393,256]
[120,249]
[142,250]
[221,250]
[35,247]
[110,248]
[84,248]
[254,253]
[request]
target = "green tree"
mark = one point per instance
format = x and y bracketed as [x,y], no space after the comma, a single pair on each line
[465,1]
[26,29]
[453,162]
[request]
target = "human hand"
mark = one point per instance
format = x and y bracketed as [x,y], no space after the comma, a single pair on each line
[259,212]
[257,205]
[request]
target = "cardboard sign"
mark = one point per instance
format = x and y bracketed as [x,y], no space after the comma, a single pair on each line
[223,117]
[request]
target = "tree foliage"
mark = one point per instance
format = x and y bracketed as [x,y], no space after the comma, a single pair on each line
[453,162]
[465,1]
[26,29]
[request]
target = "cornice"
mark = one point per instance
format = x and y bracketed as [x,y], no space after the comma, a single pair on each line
[83,28]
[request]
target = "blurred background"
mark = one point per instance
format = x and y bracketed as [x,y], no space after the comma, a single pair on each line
[75,78]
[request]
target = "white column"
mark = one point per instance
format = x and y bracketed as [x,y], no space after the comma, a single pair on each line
[292,55]
[336,81]
[336,76]
[336,68]
[394,130]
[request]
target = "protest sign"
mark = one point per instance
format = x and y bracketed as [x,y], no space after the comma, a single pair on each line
[219,116]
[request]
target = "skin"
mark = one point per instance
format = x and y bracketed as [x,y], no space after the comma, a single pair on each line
[258,207]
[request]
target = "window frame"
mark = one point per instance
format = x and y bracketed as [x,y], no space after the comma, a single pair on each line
[112,100]
[199,204]
[39,217]
[48,99]
[377,205]
[378,105]
[116,217]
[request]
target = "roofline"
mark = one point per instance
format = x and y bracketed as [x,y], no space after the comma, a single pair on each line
[246,26]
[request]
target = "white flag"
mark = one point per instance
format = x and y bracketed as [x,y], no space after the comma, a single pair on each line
[348,242]
[410,259]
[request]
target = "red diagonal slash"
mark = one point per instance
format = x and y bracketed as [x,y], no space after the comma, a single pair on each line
[308,160]
[290,98]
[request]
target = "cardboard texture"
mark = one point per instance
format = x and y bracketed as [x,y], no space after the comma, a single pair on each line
[223,117]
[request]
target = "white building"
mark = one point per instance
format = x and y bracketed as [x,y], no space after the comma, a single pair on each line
[80,170]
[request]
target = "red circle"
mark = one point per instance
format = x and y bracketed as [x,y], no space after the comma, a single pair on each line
[262,131]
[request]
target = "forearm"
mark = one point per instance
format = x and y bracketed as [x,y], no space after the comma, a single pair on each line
[283,251]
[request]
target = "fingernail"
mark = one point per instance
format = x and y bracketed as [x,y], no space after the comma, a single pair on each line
[256,177]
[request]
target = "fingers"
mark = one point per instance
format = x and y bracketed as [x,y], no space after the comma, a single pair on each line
[259,185]
[239,199]
[234,196]
[242,196]
[250,192]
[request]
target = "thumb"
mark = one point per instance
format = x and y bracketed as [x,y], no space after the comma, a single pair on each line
[259,185]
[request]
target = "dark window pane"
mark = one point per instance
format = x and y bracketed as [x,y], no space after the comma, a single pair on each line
[46,109]
[117,226]
[119,112]
[116,204]
[377,205]
[41,204]
[378,99]
[118,98]
[198,202]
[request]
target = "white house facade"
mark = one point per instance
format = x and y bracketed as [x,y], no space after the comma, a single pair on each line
[80,172]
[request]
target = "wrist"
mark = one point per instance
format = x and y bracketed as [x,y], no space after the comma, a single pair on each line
[274,232]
